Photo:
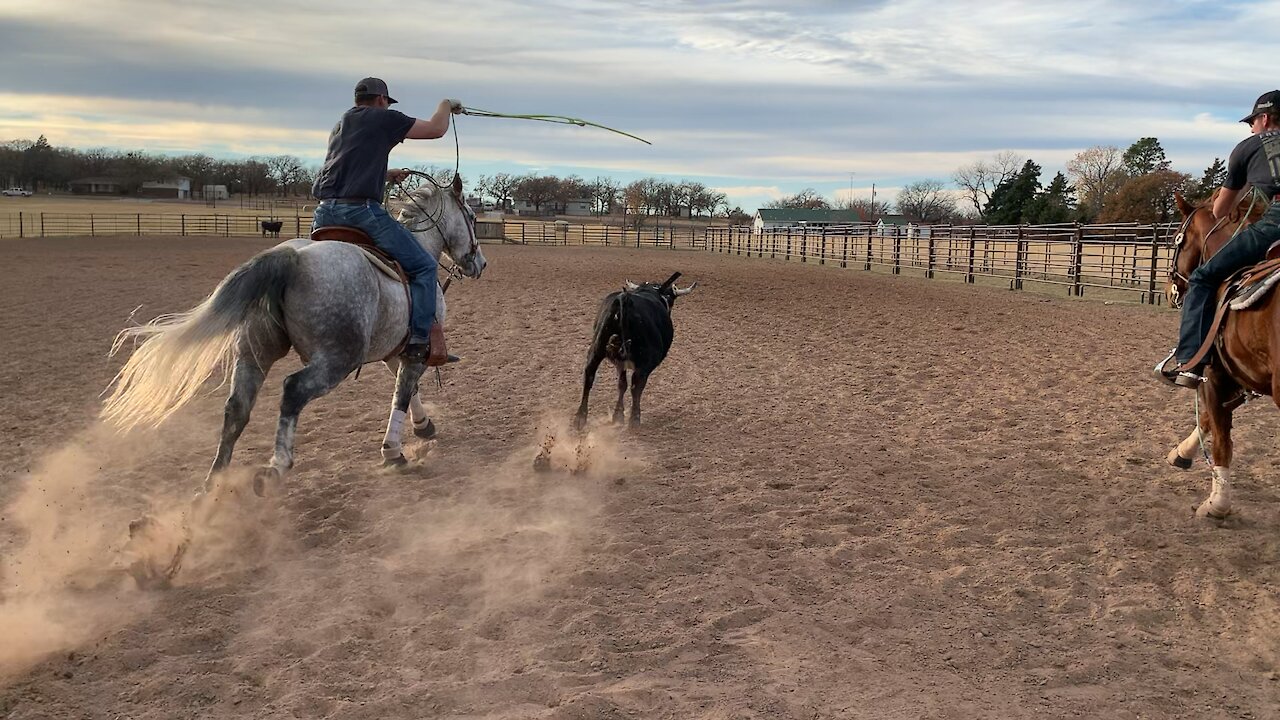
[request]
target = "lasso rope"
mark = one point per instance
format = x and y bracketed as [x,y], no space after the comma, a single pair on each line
[558,119]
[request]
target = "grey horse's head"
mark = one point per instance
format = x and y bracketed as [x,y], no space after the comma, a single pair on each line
[442,221]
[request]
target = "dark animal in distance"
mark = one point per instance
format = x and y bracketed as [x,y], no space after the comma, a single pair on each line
[272,227]
[633,330]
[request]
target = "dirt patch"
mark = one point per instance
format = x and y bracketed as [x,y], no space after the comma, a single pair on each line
[854,496]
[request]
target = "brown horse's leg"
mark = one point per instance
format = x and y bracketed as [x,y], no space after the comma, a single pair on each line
[1215,418]
[1183,454]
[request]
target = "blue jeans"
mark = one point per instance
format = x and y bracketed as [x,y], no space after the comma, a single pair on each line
[1247,248]
[396,240]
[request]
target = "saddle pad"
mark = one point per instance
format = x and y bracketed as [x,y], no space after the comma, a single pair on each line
[1249,295]
[380,265]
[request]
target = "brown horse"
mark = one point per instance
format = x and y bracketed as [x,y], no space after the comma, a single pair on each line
[1248,347]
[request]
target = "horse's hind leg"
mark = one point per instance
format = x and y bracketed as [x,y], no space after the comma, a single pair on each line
[1215,417]
[317,378]
[406,392]
[423,427]
[246,380]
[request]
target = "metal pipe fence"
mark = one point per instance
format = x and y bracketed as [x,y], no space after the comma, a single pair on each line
[1130,259]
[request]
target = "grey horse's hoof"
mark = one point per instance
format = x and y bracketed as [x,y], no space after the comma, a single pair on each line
[427,432]
[580,422]
[398,461]
[147,572]
[542,463]
[265,479]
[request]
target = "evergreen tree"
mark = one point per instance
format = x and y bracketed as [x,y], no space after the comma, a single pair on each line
[1145,156]
[1012,198]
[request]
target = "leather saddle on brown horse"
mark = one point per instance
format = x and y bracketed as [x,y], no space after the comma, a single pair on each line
[1242,290]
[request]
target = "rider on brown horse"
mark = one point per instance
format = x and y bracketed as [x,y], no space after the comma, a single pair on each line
[1255,161]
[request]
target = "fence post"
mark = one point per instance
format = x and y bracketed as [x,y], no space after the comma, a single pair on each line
[804,244]
[139,223]
[297,221]
[1155,256]
[20,228]
[928,273]
[788,253]
[844,255]
[973,244]
[42,224]
[897,251]
[1077,252]
[92,230]
[867,264]
[1018,258]
[822,257]
[184,225]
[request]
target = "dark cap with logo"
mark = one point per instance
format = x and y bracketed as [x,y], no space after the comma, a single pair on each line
[373,86]
[1267,102]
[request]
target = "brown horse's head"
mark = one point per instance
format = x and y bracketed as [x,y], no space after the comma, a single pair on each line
[1200,236]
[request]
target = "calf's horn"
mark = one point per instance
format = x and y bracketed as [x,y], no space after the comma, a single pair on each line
[631,286]
[677,291]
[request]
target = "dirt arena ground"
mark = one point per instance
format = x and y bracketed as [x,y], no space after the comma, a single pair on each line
[855,496]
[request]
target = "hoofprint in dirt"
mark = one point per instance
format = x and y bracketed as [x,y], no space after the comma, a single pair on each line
[855,496]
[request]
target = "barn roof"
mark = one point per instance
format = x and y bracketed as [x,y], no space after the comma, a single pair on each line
[798,215]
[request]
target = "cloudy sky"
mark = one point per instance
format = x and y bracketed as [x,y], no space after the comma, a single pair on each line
[758,99]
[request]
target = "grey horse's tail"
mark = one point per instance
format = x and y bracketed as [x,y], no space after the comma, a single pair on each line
[179,352]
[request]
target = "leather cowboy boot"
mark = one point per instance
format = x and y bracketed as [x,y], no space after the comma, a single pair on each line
[433,353]
[439,354]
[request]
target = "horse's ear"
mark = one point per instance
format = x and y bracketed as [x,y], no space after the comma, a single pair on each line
[457,185]
[1184,207]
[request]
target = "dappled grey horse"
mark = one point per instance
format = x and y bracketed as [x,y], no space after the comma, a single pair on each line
[323,299]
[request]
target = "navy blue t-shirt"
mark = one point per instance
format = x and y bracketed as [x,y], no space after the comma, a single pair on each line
[1256,161]
[356,166]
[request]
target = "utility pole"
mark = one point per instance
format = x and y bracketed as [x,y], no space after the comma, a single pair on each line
[850,203]
[873,198]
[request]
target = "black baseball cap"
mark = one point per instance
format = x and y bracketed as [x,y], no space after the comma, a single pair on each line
[1268,101]
[373,86]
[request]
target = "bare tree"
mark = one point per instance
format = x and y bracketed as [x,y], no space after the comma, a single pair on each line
[807,199]
[1097,172]
[501,187]
[865,208]
[284,170]
[604,193]
[537,190]
[979,179]
[926,201]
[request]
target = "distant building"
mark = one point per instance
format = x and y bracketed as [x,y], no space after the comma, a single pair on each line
[214,192]
[767,218]
[178,188]
[96,186]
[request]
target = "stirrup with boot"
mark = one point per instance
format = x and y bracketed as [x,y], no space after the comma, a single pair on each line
[432,353]
[1178,376]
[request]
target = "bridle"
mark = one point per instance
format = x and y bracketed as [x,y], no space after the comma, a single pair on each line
[1180,239]
[432,222]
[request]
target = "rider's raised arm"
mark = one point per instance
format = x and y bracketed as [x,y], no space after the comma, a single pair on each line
[437,125]
[1226,200]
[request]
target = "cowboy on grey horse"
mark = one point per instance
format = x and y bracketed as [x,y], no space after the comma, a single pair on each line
[349,188]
